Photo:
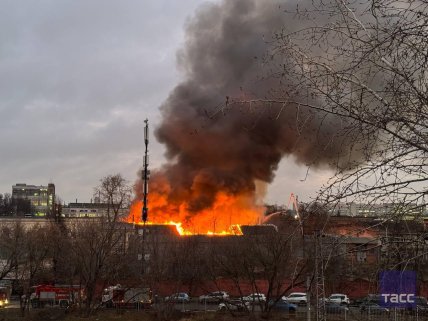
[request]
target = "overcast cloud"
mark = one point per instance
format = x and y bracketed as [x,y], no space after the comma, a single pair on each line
[77,79]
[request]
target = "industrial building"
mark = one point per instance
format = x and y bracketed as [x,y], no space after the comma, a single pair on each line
[410,210]
[78,210]
[41,197]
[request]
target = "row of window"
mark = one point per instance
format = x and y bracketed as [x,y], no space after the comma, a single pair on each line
[39,203]
[82,215]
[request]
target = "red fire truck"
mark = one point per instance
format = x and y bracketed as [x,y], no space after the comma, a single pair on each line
[62,295]
[118,296]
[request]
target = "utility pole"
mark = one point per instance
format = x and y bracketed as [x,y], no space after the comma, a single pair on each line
[319,278]
[145,173]
[308,298]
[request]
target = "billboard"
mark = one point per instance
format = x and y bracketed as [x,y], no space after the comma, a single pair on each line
[397,289]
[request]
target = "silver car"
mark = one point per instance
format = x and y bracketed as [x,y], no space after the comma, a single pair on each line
[181,297]
[296,298]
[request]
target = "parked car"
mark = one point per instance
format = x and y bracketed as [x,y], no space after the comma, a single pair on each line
[214,297]
[335,308]
[338,298]
[356,302]
[420,306]
[376,298]
[296,298]
[233,305]
[181,297]
[282,305]
[372,307]
[254,298]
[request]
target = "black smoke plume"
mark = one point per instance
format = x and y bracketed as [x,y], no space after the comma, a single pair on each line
[215,143]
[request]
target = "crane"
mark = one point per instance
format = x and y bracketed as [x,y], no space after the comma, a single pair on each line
[295,209]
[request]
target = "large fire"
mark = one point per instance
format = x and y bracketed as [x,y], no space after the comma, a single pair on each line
[224,217]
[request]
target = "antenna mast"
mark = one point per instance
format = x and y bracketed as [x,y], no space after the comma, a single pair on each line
[146,172]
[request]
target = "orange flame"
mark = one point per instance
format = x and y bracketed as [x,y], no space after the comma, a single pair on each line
[224,217]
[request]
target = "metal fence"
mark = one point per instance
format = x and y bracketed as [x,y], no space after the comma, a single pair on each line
[355,314]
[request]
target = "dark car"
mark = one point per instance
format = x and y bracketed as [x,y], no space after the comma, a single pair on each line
[420,307]
[233,305]
[282,305]
[335,308]
[372,307]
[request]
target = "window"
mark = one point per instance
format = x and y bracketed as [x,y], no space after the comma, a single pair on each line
[361,257]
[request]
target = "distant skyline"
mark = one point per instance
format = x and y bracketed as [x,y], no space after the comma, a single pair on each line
[77,81]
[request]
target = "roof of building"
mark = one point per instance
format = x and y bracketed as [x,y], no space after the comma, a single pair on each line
[88,205]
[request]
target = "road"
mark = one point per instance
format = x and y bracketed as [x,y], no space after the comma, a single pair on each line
[13,304]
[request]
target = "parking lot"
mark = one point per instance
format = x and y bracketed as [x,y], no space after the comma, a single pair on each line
[353,314]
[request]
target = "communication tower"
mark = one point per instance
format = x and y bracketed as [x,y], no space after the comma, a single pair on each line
[146,173]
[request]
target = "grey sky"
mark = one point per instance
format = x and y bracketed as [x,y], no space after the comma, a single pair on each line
[77,79]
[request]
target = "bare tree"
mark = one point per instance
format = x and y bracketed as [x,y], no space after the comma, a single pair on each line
[187,265]
[271,257]
[364,63]
[275,258]
[37,253]
[115,192]
[98,244]
[12,247]
[6,207]
[35,262]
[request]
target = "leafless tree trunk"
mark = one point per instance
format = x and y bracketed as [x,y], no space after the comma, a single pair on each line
[115,192]
[11,242]
[98,245]
[271,257]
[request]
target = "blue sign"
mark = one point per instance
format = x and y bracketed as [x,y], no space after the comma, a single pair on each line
[397,289]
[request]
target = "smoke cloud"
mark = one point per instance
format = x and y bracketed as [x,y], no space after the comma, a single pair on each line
[215,144]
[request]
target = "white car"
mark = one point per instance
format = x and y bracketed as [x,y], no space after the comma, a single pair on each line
[254,298]
[296,298]
[338,298]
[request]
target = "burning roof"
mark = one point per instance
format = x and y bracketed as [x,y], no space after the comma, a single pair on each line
[221,154]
